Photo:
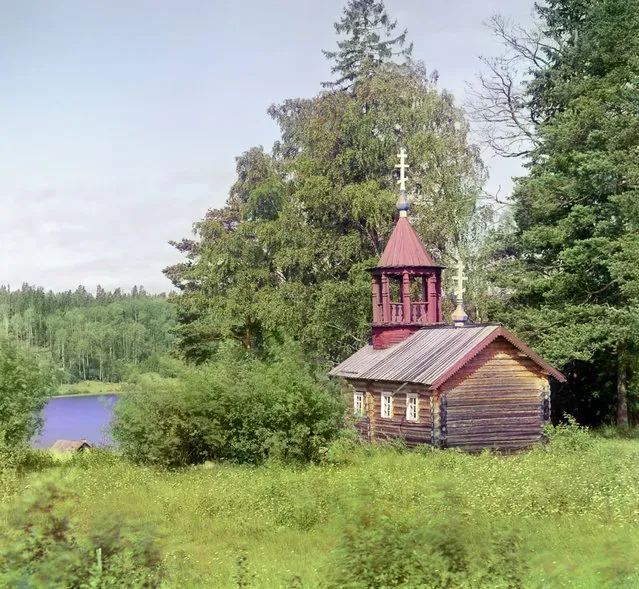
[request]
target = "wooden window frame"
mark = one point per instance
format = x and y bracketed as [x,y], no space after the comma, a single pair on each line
[390,406]
[409,398]
[358,412]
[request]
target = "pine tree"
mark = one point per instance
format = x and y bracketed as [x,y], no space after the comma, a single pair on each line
[572,259]
[369,42]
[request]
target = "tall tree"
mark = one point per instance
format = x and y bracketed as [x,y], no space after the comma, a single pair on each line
[368,42]
[26,384]
[289,251]
[570,263]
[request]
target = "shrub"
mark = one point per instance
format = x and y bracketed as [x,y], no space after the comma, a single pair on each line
[380,550]
[41,545]
[569,436]
[238,408]
[25,386]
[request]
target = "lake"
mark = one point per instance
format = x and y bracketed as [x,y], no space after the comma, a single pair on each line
[77,418]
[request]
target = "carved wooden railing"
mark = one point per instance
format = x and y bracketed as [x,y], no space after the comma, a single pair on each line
[397,312]
[419,312]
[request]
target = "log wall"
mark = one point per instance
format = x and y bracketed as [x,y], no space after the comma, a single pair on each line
[374,426]
[500,399]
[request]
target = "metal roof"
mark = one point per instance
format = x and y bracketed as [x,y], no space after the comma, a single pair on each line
[404,248]
[430,356]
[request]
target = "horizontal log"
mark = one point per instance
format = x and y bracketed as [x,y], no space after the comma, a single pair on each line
[501,419]
[496,408]
[491,438]
[494,380]
[482,434]
[496,391]
[497,444]
[481,399]
[400,429]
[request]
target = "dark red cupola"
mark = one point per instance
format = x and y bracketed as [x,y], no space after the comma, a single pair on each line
[406,282]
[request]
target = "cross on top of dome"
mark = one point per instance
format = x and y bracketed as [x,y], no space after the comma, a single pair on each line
[402,203]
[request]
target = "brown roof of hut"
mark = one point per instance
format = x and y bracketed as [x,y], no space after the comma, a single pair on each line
[70,445]
[431,355]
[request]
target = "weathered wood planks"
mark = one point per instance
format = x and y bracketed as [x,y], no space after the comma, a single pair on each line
[499,399]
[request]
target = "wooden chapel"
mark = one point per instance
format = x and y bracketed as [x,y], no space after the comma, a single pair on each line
[451,386]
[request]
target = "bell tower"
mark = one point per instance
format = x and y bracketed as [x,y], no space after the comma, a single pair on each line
[406,283]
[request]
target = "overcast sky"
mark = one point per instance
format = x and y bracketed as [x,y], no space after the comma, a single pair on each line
[120,119]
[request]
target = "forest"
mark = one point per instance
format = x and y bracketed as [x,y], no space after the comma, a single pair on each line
[88,336]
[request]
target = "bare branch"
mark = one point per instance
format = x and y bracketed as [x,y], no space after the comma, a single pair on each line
[499,105]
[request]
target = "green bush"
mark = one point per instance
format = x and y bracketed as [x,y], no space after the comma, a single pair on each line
[381,549]
[25,387]
[238,408]
[569,436]
[42,545]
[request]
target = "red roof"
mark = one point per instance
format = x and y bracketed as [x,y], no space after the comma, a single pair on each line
[404,248]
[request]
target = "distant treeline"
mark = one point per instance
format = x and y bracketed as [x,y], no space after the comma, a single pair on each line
[89,336]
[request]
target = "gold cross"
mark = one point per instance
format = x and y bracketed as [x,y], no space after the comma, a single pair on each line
[460,279]
[403,166]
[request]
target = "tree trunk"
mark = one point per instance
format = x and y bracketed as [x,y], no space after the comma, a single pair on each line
[622,386]
[247,337]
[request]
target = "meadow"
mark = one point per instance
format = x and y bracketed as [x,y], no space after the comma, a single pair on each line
[563,515]
[88,388]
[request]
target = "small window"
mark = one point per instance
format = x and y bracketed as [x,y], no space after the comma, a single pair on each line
[387,406]
[358,404]
[411,407]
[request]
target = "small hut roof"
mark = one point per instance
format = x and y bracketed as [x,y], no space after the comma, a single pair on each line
[431,355]
[404,248]
[70,445]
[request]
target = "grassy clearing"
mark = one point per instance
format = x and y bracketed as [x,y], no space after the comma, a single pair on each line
[89,387]
[575,509]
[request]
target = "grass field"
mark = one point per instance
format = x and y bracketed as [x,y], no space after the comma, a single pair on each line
[88,387]
[573,510]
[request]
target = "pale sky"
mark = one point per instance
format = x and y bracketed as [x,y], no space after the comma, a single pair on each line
[120,119]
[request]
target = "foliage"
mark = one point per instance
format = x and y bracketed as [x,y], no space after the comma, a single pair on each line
[290,250]
[412,550]
[363,50]
[542,506]
[42,545]
[237,408]
[89,337]
[569,436]
[25,387]
[568,269]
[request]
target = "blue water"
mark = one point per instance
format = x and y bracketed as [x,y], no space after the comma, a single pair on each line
[77,418]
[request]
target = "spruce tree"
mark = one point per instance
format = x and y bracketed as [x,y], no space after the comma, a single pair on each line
[368,42]
[571,263]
